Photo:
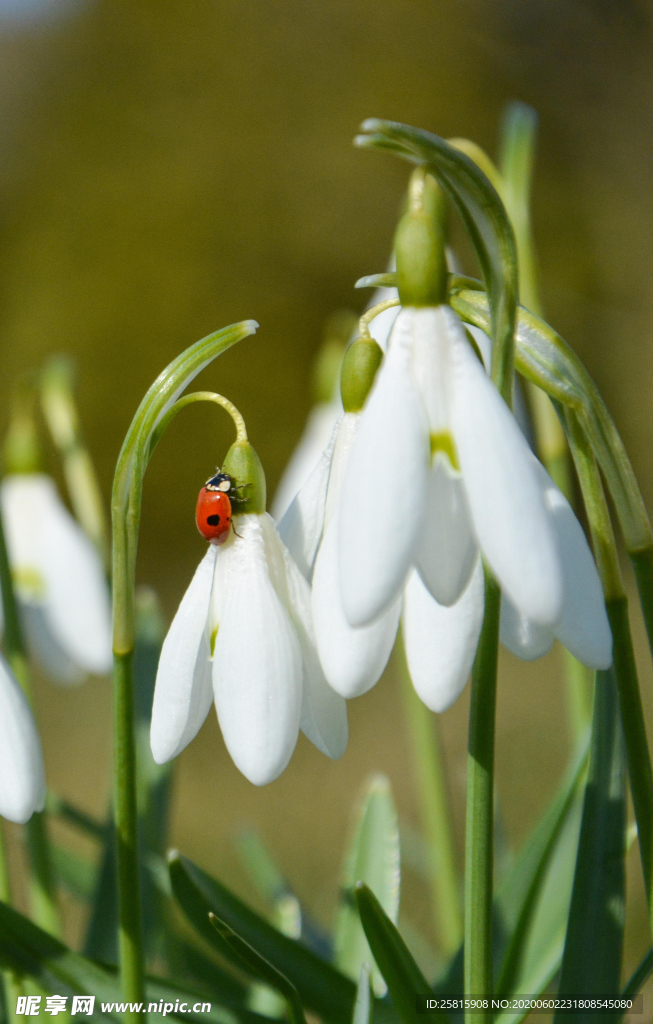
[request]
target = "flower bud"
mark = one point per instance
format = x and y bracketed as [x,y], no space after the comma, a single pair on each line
[22,450]
[359,367]
[420,244]
[337,332]
[244,466]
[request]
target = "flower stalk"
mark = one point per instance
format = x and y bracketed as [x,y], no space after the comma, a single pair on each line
[479,853]
[632,715]
[125,512]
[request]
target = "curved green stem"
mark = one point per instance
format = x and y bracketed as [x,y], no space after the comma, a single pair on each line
[369,315]
[198,396]
[479,853]
[125,514]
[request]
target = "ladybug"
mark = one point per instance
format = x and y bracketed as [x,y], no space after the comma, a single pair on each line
[213,509]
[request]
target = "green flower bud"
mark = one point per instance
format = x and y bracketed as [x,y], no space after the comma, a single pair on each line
[22,449]
[420,244]
[359,367]
[326,369]
[244,466]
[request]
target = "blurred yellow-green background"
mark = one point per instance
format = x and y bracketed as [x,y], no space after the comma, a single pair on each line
[169,168]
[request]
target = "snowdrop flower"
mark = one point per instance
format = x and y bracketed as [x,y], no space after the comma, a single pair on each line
[243,638]
[440,642]
[22,778]
[59,580]
[464,478]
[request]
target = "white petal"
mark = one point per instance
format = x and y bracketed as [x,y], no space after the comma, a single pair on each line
[447,551]
[22,777]
[431,362]
[183,691]
[50,553]
[441,642]
[44,645]
[384,490]
[319,427]
[381,326]
[521,636]
[353,658]
[301,526]
[257,661]
[324,712]
[345,435]
[510,519]
[583,628]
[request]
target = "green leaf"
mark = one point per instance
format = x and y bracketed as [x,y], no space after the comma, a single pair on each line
[518,894]
[72,815]
[321,988]
[640,976]
[255,964]
[484,217]
[595,929]
[264,872]
[545,938]
[403,977]
[29,951]
[373,858]
[364,998]
[75,873]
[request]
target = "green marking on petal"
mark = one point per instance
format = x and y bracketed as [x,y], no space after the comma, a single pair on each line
[214,637]
[29,583]
[443,442]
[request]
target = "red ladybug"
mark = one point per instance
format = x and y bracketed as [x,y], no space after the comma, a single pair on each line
[213,509]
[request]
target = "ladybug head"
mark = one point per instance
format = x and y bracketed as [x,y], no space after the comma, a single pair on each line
[220,482]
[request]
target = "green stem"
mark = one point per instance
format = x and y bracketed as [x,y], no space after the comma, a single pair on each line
[12,984]
[130,938]
[637,750]
[479,859]
[435,814]
[642,563]
[43,896]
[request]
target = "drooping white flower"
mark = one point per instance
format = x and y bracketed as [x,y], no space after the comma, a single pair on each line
[466,481]
[440,642]
[59,580]
[435,420]
[22,776]
[243,637]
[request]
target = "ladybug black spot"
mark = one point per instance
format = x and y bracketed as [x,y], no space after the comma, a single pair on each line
[213,520]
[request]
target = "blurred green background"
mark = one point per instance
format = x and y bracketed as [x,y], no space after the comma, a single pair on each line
[169,168]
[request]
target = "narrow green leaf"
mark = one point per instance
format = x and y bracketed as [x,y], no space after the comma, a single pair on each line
[372,858]
[321,987]
[403,977]
[29,951]
[364,997]
[595,929]
[518,893]
[640,976]
[377,281]
[75,873]
[72,815]
[486,221]
[266,876]
[545,938]
[255,964]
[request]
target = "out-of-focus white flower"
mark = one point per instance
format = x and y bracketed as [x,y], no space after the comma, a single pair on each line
[243,637]
[22,777]
[59,580]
